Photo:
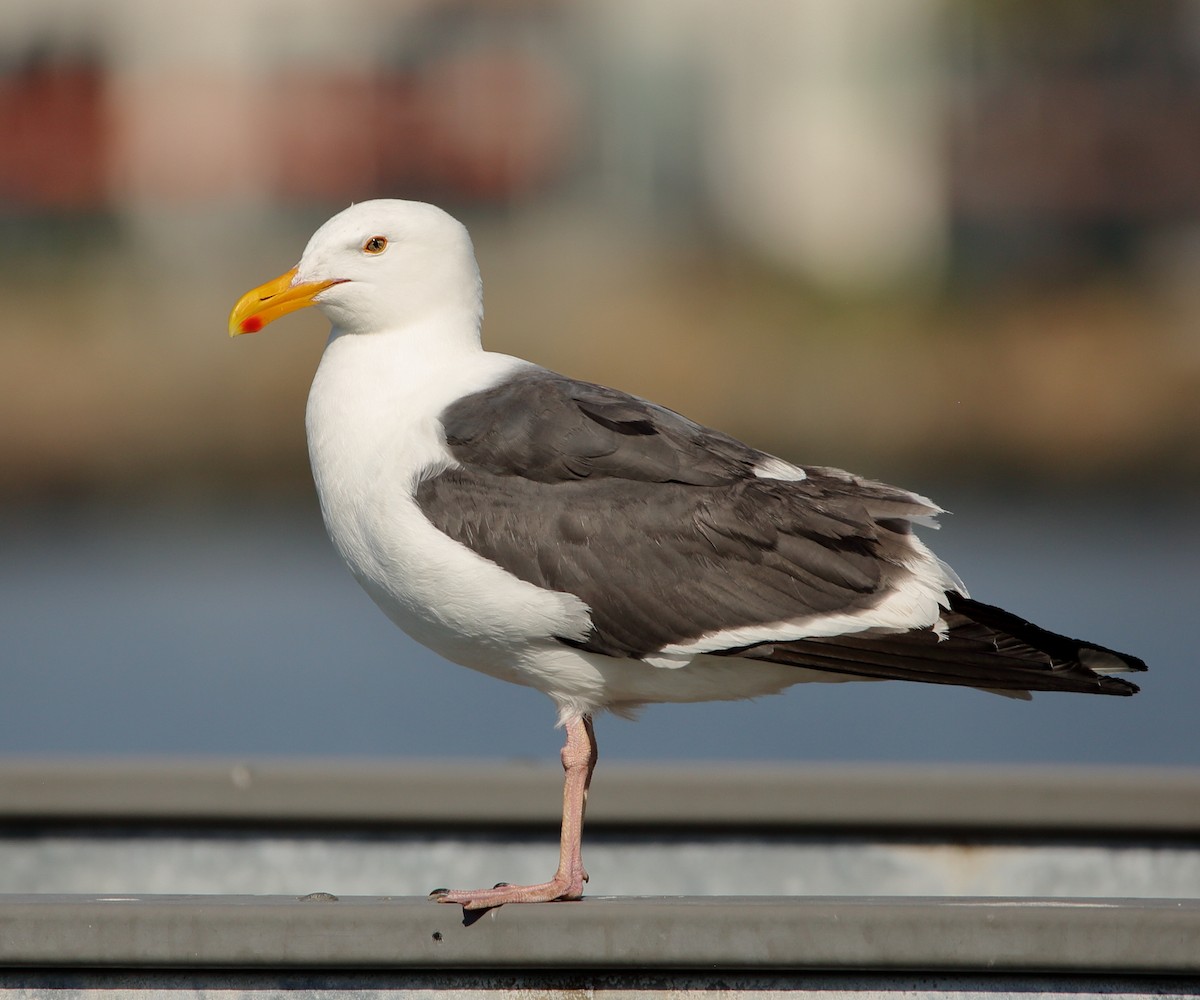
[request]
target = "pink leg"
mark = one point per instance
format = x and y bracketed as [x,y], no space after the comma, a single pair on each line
[579,760]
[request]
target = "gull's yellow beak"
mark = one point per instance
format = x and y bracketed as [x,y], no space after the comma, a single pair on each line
[266,303]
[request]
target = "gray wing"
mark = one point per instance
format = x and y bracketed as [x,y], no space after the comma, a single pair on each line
[548,428]
[658,524]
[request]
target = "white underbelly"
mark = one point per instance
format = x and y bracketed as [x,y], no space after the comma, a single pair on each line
[444,595]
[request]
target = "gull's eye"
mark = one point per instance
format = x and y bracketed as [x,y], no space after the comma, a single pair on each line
[375,245]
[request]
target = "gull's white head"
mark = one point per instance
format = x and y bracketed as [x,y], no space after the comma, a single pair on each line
[379,265]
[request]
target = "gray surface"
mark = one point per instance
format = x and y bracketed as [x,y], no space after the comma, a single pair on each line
[364,829]
[670,863]
[477,985]
[1089,936]
[122,830]
[1157,801]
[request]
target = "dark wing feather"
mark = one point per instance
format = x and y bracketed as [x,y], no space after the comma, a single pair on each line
[658,524]
[983,647]
[550,429]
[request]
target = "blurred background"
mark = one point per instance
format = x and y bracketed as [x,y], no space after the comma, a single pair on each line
[952,245]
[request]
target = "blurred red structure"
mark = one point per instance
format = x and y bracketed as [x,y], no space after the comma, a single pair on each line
[55,134]
[481,123]
[482,126]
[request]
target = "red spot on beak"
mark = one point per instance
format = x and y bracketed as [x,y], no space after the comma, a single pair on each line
[251,324]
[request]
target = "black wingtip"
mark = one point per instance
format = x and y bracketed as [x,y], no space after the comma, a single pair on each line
[1090,656]
[982,647]
[1118,686]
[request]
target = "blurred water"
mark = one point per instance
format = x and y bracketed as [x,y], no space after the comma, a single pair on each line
[235,630]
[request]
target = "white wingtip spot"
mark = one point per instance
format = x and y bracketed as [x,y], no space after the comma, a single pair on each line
[1102,662]
[776,468]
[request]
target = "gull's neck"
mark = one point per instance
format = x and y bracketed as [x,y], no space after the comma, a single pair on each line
[378,394]
[446,336]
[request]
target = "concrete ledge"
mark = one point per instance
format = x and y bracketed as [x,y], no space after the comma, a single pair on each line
[1069,936]
[1095,801]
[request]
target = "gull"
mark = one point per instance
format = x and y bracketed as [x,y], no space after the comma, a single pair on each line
[598,547]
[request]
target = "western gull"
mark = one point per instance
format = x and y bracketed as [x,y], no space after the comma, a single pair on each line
[598,547]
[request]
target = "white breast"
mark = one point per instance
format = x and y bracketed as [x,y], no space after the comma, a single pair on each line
[373,434]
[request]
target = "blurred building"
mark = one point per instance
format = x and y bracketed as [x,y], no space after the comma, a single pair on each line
[960,235]
[125,104]
[1072,126]
[856,144]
